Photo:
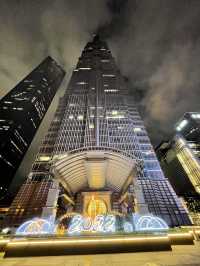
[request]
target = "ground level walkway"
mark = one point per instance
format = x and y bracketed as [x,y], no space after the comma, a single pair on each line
[181,255]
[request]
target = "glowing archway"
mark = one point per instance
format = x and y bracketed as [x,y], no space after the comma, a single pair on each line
[150,222]
[35,226]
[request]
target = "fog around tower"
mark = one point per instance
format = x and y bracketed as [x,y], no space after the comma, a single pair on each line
[156,44]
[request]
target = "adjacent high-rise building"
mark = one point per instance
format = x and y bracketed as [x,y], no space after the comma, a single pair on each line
[96,157]
[180,160]
[21,112]
[180,157]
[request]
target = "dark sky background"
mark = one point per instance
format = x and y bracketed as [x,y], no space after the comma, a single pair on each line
[156,44]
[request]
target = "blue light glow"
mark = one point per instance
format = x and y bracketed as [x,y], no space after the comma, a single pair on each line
[36,226]
[150,223]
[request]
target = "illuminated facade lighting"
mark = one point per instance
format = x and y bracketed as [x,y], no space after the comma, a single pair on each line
[97,154]
[182,124]
[195,116]
[44,158]
[80,117]
[108,75]
[22,111]
[189,162]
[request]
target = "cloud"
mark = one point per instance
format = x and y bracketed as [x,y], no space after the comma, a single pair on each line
[31,30]
[157,49]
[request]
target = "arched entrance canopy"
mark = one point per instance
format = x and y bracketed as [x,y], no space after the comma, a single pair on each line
[94,169]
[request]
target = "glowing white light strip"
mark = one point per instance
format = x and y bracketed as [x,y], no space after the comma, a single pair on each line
[84,68]
[108,75]
[182,124]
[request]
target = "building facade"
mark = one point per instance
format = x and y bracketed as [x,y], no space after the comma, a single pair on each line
[96,158]
[180,161]
[21,112]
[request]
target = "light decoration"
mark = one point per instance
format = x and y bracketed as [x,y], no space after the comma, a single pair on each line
[150,223]
[182,124]
[36,226]
[84,68]
[101,224]
[128,227]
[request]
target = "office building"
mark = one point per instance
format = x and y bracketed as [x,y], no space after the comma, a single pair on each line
[21,112]
[96,158]
[180,160]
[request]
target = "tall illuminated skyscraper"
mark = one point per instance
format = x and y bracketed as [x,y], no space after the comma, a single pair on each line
[96,157]
[21,112]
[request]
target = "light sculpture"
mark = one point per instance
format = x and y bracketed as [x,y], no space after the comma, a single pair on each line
[36,226]
[128,227]
[150,223]
[100,223]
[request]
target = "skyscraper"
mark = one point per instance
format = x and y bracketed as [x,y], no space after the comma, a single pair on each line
[182,154]
[96,157]
[188,146]
[180,161]
[21,112]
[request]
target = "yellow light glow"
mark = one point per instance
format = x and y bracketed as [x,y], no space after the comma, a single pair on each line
[96,207]
[97,240]
[44,158]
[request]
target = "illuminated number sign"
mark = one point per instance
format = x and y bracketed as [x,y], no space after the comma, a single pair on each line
[101,223]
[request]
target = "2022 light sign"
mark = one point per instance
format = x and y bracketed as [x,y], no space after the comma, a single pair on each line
[101,224]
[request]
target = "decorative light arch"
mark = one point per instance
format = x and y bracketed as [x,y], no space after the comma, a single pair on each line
[150,222]
[36,226]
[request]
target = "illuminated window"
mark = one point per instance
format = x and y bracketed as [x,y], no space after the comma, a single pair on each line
[137,129]
[81,83]
[84,68]
[80,117]
[114,112]
[108,75]
[91,126]
[44,158]
[110,90]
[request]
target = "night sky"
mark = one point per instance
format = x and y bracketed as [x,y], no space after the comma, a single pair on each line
[156,44]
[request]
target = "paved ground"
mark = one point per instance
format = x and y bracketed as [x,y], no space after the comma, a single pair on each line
[181,256]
